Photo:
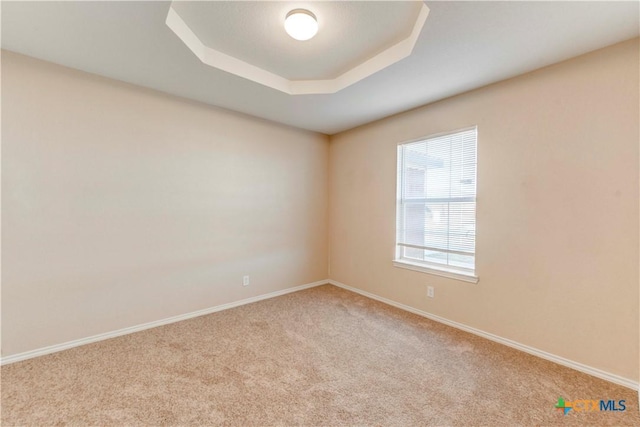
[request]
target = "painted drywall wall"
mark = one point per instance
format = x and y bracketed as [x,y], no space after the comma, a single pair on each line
[557,209]
[123,206]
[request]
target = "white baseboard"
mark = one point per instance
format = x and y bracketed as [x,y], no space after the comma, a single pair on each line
[616,379]
[100,337]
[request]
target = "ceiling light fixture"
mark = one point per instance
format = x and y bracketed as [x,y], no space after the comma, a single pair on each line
[301,24]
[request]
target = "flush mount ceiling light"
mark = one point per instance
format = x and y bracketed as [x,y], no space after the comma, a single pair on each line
[301,24]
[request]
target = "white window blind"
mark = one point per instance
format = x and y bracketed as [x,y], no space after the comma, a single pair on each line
[436,216]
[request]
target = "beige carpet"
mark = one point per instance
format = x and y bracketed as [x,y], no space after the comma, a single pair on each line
[324,356]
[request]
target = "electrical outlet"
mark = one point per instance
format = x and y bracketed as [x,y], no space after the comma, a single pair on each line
[430,292]
[245,281]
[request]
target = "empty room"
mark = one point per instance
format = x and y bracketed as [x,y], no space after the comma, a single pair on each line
[320,213]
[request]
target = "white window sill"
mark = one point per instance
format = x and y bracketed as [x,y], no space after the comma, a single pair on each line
[444,272]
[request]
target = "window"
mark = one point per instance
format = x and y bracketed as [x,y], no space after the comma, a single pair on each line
[436,214]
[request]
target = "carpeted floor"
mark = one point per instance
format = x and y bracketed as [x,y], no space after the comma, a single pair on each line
[323,356]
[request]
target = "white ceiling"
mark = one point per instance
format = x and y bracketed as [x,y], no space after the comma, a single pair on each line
[258,49]
[349,33]
[463,45]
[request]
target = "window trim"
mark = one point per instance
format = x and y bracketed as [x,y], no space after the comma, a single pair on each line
[457,273]
[437,271]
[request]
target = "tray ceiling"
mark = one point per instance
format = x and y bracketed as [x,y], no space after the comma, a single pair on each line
[462,46]
[355,40]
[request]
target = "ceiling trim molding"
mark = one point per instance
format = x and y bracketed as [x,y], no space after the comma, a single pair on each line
[231,64]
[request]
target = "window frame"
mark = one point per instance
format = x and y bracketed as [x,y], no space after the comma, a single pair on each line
[452,272]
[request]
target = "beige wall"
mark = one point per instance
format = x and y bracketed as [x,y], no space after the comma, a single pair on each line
[123,205]
[557,218]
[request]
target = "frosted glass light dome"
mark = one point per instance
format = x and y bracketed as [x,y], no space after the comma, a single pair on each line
[301,24]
